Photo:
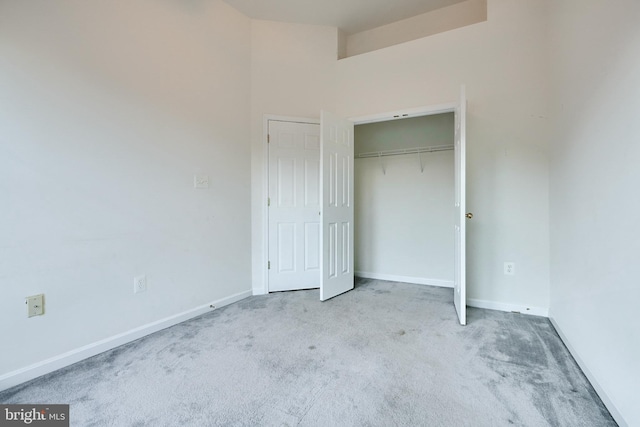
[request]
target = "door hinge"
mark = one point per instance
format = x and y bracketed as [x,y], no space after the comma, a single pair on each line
[268,138]
[268,265]
[268,201]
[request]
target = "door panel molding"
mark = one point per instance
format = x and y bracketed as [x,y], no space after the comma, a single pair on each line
[337,147]
[292,205]
[260,268]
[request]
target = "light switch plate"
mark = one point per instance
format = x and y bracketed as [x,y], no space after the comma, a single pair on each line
[201,181]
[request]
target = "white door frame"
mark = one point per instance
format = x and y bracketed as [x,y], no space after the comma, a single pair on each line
[372,118]
[265,187]
[406,113]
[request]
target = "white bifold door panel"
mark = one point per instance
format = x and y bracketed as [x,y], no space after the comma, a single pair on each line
[337,150]
[294,206]
[459,289]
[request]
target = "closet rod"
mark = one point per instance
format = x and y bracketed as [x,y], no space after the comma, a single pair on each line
[404,151]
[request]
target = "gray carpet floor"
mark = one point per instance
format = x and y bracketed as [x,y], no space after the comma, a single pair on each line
[384,354]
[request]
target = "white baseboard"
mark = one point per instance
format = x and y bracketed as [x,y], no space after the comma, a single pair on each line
[30,372]
[405,279]
[594,382]
[493,305]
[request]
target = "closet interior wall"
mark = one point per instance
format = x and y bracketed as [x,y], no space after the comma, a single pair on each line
[404,202]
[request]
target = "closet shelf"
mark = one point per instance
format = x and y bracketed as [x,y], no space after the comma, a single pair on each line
[400,152]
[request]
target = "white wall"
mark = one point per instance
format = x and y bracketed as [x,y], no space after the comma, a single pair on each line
[594,194]
[107,110]
[504,64]
[404,204]
[421,131]
[437,21]
[404,218]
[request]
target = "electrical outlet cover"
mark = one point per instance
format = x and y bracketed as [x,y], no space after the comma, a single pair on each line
[139,284]
[510,268]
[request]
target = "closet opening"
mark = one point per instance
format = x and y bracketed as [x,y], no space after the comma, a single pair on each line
[404,183]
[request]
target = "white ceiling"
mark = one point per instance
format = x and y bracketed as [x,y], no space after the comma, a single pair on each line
[351,16]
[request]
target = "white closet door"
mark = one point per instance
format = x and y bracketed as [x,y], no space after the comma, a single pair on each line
[459,292]
[294,206]
[336,135]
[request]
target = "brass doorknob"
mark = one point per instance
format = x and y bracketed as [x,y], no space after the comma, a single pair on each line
[469,215]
